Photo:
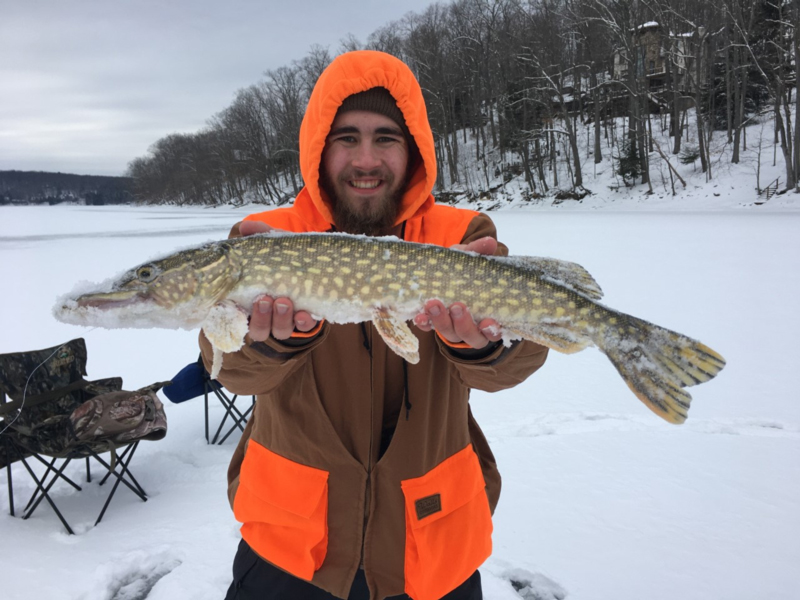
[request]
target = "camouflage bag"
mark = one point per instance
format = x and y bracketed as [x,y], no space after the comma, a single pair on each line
[120,417]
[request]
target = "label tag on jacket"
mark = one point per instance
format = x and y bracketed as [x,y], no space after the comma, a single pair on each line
[428,505]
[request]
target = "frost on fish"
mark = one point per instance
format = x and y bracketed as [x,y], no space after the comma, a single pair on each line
[346,279]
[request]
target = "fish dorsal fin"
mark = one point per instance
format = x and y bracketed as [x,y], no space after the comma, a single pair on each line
[568,274]
[396,334]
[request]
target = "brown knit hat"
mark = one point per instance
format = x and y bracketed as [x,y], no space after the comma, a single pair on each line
[377,100]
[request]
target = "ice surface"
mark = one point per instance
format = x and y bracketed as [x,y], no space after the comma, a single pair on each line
[600,498]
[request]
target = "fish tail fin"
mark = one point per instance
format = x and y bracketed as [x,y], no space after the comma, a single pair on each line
[657,364]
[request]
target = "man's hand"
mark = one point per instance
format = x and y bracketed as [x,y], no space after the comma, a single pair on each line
[456,324]
[275,316]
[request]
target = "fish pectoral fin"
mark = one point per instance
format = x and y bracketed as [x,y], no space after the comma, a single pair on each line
[225,327]
[556,336]
[568,274]
[396,334]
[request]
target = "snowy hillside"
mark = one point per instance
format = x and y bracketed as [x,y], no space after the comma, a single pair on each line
[730,186]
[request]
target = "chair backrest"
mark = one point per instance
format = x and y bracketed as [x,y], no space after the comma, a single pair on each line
[42,370]
[42,383]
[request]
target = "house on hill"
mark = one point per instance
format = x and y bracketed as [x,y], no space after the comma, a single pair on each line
[661,55]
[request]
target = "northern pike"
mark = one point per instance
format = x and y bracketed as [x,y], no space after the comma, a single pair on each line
[346,278]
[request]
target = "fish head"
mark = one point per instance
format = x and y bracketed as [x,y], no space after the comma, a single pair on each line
[175,291]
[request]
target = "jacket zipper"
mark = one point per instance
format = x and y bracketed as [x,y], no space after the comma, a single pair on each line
[368,346]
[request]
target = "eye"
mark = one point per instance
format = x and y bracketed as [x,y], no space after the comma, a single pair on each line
[147,273]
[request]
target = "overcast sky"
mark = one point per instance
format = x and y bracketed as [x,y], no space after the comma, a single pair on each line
[88,85]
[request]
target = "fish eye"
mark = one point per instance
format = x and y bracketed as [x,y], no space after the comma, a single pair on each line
[147,273]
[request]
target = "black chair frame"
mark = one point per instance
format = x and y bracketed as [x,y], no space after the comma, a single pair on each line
[54,471]
[55,465]
[238,418]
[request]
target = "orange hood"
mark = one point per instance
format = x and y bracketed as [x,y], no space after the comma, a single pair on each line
[349,74]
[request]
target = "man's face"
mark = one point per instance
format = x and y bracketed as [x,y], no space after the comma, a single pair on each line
[364,171]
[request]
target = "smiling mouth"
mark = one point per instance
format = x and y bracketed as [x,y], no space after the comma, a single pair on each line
[369,184]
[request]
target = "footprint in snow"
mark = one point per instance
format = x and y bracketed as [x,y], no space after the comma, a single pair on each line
[131,576]
[534,586]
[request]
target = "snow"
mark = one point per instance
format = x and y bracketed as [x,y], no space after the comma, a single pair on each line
[601,499]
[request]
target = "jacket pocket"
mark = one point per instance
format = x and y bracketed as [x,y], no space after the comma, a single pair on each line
[283,507]
[448,526]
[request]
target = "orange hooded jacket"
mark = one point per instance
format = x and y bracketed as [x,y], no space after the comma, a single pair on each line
[314,494]
[350,74]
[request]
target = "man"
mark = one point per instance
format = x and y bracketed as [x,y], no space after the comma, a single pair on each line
[361,476]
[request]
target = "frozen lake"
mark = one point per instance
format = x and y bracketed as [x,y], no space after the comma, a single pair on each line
[601,499]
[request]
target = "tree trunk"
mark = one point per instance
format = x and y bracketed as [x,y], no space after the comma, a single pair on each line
[701,136]
[598,154]
[797,100]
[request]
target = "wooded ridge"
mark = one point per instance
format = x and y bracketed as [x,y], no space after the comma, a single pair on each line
[37,187]
[511,85]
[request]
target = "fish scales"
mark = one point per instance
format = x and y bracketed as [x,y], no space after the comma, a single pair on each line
[344,278]
[396,275]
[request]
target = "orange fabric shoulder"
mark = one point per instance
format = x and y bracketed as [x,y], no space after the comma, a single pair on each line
[441,225]
[299,218]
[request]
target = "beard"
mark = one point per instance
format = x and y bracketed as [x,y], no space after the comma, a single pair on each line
[372,218]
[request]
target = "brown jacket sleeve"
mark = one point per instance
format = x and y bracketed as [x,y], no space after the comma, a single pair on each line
[260,367]
[505,367]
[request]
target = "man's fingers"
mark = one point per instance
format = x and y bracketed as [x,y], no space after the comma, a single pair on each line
[261,318]
[303,321]
[251,227]
[440,320]
[282,319]
[491,330]
[484,245]
[465,328]
[423,322]
[457,325]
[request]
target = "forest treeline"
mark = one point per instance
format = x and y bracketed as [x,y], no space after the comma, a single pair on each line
[36,187]
[509,87]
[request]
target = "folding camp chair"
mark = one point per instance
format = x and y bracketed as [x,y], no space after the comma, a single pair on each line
[192,381]
[39,390]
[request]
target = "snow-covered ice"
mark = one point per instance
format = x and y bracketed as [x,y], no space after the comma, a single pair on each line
[601,499]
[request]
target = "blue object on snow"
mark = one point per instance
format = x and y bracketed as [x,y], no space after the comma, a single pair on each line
[189,383]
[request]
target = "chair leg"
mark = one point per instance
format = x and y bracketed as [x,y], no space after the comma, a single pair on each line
[9,478]
[50,468]
[43,478]
[205,399]
[224,418]
[231,410]
[44,494]
[42,489]
[88,471]
[123,462]
[240,423]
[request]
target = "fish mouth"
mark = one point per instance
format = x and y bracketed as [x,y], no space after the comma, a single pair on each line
[111,299]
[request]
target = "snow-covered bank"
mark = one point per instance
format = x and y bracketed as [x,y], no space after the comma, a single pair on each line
[601,500]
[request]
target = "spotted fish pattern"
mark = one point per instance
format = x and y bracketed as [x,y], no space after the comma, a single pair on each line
[345,278]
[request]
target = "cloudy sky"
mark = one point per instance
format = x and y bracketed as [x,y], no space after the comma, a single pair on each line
[88,85]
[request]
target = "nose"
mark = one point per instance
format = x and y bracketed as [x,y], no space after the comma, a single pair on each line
[366,157]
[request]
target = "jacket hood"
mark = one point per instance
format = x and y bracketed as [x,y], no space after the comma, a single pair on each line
[349,74]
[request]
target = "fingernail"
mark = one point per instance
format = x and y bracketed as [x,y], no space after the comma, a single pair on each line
[434,311]
[300,322]
[264,306]
[282,309]
[456,311]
